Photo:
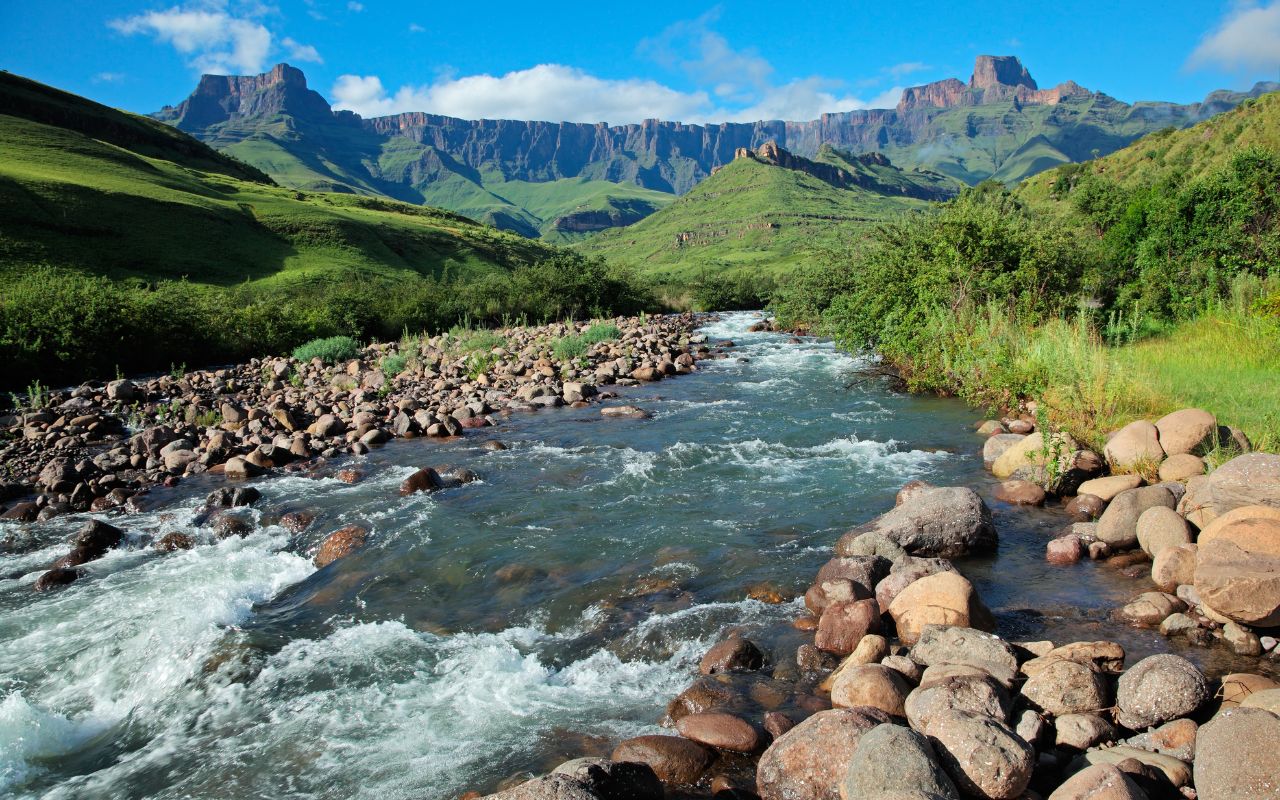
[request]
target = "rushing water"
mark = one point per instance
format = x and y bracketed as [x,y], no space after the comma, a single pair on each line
[539,614]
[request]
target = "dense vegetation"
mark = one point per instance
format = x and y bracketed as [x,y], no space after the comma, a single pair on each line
[1054,290]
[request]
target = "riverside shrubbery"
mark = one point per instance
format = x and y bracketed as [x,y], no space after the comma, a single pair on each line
[62,326]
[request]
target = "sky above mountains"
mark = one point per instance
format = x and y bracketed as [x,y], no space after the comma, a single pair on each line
[732,61]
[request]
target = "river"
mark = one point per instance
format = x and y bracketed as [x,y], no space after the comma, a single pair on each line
[541,613]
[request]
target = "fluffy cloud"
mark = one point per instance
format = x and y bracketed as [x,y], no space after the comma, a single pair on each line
[301,52]
[214,40]
[1247,39]
[551,92]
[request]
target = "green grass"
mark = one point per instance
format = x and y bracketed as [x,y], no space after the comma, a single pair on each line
[601,332]
[569,347]
[330,350]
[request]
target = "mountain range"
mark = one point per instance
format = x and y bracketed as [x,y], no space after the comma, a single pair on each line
[563,181]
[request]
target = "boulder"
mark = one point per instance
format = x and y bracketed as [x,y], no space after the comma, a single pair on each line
[1247,480]
[734,654]
[947,522]
[1110,486]
[1212,530]
[1106,657]
[1238,584]
[1182,467]
[944,598]
[891,758]
[975,694]
[1174,770]
[1118,525]
[549,787]
[1176,738]
[1085,507]
[676,761]
[1237,687]
[842,625]
[424,480]
[1030,451]
[720,730]
[1160,527]
[705,694]
[809,761]
[1174,567]
[1066,549]
[341,543]
[905,572]
[1150,608]
[1237,757]
[1135,444]
[873,685]
[865,571]
[950,644]
[59,576]
[1241,640]
[997,446]
[1189,431]
[1068,687]
[1267,699]
[1098,782]
[614,780]
[1082,731]
[238,468]
[1157,689]
[1018,492]
[982,755]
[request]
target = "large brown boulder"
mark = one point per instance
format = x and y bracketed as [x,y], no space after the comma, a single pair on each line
[873,685]
[341,543]
[843,625]
[1173,567]
[1238,584]
[864,570]
[676,761]
[1190,430]
[1068,687]
[950,644]
[1247,480]
[1118,525]
[1135,444]
[720,730]
[905,572]
[947,522]
[891,758]
[1099,782]
[1237,757]
[809,761]
[944,598]
[982,755]
[975,694]
[1160,527]
[1157,689]
[734,654]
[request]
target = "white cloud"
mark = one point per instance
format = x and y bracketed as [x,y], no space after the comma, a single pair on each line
[301,52]
[213,40]
[108,77]
[1247,39]
[416,28]
[906,68]
[550,92]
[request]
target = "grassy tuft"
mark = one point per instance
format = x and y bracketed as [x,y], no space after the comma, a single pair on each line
[330,350]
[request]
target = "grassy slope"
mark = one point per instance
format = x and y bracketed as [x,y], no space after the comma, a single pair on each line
[72,201]
[748,217]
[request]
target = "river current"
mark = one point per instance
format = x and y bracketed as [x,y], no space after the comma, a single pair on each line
[541,613]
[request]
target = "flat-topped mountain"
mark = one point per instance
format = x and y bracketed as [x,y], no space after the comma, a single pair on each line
[562,179]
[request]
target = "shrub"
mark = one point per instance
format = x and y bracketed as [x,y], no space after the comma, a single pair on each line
[601,332]
[393,365]
[330,350]
[569,347]
[738,292]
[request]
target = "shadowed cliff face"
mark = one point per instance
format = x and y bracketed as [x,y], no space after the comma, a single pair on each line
[408,155]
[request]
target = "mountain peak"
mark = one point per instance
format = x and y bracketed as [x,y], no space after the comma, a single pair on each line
[218,98]
[992,71]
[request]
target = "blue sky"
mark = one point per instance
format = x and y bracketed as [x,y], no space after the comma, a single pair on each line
[598,61]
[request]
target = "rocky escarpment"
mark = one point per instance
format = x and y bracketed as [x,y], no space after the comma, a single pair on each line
[995,79]
[864,178]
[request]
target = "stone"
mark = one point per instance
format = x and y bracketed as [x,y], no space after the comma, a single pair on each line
[1178,625]
[676,761]
[96,537]
[1082,731]
[1150,608]
[1237,757]
[1064,550]
[1247,480]
[172,542]
[1030,451]
[1160,527]
[842,625]
[1099,782]
[1267,699]
[1019,493]
[341,543]
[1108,487]
[865,571]
[1241,640]
[873,685]
[1157,689]
[1085,507]
[1176,738]
[991,427]
[1174,567]
[982,755]
[1118,525]
[947,522]
[892,758]
[1239,686]
[720,730]
[613,780]
[734,654]
[944,598]
[905,572]
[874,544]
[1242,586]
[1174,770]
[548,787]
[624,412]
[60,576]
[123,390]
[424,480]
[238,468]
[1067,687]
[1181,467]
[705,694]
[1107,657]
[1247,536]
[1135,444]
[809,761]
[950,644]
[997,445]
[975,694]
[905,667]
[1190,430]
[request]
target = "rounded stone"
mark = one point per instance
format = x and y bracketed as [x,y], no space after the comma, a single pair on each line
[891,758]
[809,761]
[1160,527]
[676,761]
[982,755]
[1237,757]
[1067,687]
[873,685]
[1157,689]
[1099,782]
[720,730]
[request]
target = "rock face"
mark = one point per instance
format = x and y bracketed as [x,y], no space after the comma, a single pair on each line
[809,761]
[1157,689]
[982,755]
[946,522]
[944,598]
[891,758]
[1237,757]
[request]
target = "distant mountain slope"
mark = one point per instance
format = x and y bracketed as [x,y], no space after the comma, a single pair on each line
[98,191]
[765,210]
[564,180]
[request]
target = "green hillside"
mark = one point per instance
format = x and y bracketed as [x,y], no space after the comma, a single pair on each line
[757,217]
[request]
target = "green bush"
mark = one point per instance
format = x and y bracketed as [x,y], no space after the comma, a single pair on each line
[601,332]
[738,292]
[330,350]
[568,348]
[393,365]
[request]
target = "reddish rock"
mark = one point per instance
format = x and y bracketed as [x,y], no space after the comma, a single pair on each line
[55,578]
[676,761]
[1064,550]
[720,730]
[424,480]
[350,476]
[1085,507]
[732,655]
[705,694]
[341,543]
[175,541]
[809,761]
[843,625]
[777,723]
[297,521]
[1019,493]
